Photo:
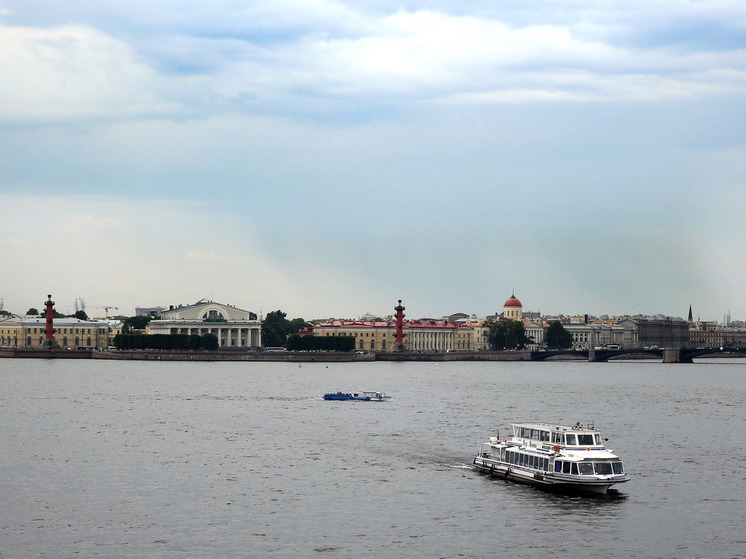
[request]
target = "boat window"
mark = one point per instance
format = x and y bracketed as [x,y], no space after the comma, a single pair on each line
[545,464]
[586,469]
[571,439]
[603,468]
[574,469]
[585,439]
[532,461]
[556,437]
[597,438]
[558,466]
[566,467]
[618,468]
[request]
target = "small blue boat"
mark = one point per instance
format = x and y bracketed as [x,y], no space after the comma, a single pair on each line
[364,396]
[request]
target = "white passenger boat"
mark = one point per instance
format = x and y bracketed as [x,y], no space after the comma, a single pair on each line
[553,456]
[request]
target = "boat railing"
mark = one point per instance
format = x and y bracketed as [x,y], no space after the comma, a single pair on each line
[484,450]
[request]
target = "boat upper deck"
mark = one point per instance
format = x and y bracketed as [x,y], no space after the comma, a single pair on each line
[563,435]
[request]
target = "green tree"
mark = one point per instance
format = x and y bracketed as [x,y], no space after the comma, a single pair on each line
[296,325]
[33,311]
[195,341]
[294,342]
[81,315]
[557,337]
[135,323]
[274,329]
[505,334]
[210,342]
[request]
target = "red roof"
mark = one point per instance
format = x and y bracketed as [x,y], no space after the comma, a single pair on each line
[512,302]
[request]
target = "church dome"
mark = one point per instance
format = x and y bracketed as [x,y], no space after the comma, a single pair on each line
[512,302]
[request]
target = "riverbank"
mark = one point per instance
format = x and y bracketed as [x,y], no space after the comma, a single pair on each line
[306,356]
[272,356]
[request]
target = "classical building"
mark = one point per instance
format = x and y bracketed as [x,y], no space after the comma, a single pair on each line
[29,332]
[662,331]
[622,333]
[419,335]
[513,309]
[535,330]
[234,327]
[711,335]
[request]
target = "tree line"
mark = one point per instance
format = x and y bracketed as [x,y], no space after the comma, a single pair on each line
[505,334]
[166,341]
[309,342]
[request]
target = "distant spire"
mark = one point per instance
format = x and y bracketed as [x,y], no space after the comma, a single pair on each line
[691,319]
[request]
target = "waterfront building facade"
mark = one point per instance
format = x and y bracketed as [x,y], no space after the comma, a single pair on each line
[419,335]
[233,327]
[622,334]
[535,330]
[661,331]
[712,335]
[28,332]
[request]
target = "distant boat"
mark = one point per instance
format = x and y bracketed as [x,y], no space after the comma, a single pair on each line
[367,396]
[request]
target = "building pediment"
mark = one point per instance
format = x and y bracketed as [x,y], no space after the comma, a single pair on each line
[206,311]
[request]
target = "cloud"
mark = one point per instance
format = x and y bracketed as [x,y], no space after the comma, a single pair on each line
[208,257]
[71,72]
[324,58]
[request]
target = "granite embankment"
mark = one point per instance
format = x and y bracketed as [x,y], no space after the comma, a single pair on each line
[279,356]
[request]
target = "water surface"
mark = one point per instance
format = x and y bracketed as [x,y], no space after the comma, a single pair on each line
[154,459]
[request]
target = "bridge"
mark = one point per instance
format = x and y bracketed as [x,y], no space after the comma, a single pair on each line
[669,355]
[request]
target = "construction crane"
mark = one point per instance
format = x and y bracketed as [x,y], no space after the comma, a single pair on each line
[106,309]
[79,305]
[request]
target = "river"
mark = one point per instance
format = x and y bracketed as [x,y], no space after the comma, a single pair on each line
[242,459]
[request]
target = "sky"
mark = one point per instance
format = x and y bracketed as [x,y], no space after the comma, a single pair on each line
[327,158]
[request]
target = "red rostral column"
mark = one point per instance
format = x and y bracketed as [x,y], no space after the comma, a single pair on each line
[399,325]
[50,319]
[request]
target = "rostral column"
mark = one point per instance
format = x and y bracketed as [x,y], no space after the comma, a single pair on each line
[50,322]
[399,326]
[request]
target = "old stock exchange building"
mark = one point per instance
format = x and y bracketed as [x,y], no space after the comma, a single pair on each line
[233,326]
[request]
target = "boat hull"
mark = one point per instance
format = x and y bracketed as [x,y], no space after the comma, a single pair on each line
[545,480]
[358,396]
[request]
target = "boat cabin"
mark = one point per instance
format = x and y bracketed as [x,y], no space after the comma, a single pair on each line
[538,433]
